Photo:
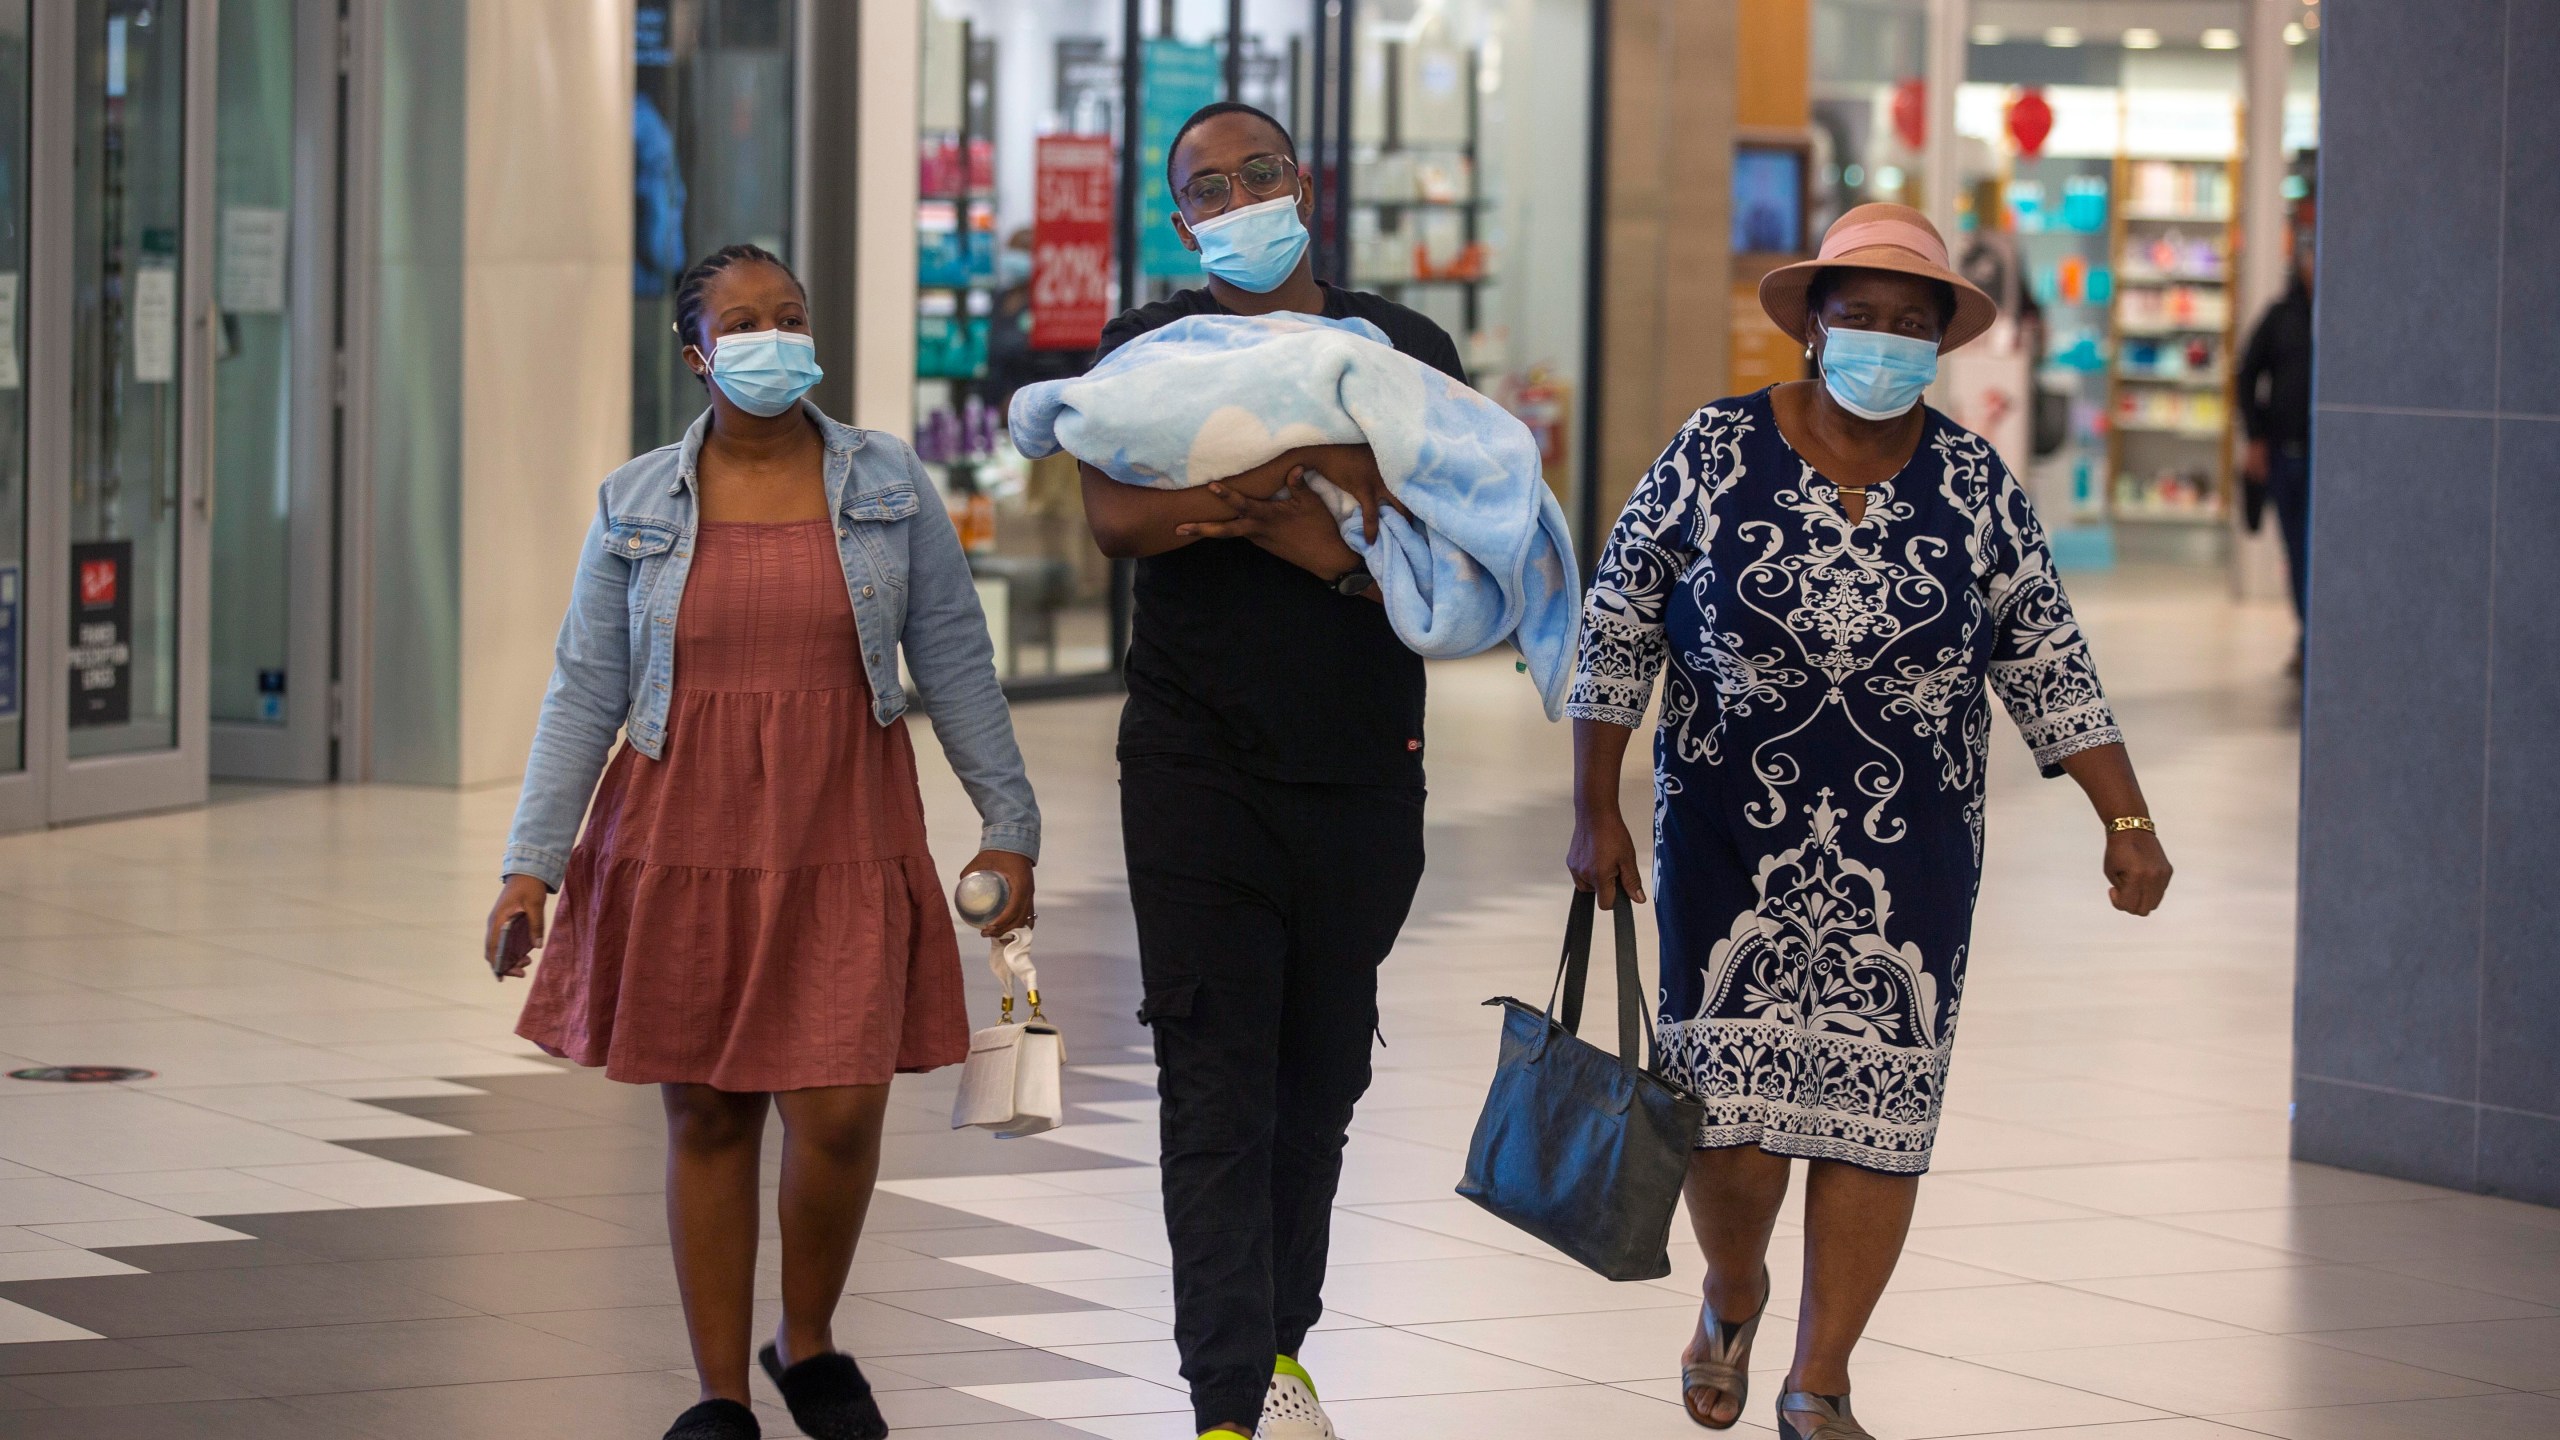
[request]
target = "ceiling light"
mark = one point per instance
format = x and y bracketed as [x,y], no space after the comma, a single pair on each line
[1989,35]
[2139,38]
[2295,34]
[2062,37]
[2310,19]
[2219,39]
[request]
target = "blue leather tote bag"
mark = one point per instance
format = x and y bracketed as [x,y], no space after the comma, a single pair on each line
[1581,1148]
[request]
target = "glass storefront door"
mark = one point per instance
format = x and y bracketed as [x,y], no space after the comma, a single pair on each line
[1019,117]
[272,579]
[135,501]
[713,164]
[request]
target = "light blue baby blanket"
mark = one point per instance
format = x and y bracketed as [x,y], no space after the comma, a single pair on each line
[1211,396]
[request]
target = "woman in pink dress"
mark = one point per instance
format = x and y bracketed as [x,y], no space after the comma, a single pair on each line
[751,919]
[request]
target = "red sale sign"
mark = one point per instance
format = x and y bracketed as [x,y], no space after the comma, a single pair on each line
[1071,242]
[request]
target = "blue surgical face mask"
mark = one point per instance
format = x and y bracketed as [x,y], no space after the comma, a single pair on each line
[1254,248]
[765,372]
[1876,376]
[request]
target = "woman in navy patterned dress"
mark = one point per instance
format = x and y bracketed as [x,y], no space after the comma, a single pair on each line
[1837,579]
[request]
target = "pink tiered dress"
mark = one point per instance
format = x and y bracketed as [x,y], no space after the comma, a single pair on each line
[757,910]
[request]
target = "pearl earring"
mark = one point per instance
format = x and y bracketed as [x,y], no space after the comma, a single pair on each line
[1808,349]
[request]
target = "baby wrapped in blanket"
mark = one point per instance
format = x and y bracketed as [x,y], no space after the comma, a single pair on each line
[1484,556]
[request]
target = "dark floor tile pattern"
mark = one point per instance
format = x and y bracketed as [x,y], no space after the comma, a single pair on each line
[556,1315]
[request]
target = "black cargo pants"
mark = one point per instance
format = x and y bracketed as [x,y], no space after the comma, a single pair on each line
[1263,911]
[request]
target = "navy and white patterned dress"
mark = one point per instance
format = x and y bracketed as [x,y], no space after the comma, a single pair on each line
[1819,762]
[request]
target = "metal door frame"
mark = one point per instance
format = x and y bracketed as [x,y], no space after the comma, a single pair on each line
[44,315]
[357,108]
[299,749]
[107,785]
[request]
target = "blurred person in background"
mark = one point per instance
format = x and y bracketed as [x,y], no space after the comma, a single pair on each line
[2275,407]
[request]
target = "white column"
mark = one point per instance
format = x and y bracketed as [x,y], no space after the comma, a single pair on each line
[2257,570]
[1950,32]
[884,356]
[546,341]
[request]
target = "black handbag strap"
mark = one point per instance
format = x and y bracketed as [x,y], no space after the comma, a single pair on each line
[1573,975]
[1574,970]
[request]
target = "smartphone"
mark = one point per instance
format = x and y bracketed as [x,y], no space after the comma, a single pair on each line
[514,945]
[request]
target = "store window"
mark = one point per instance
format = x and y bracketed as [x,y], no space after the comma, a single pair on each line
[1470,192]
[712,164]
[251,613]
[1870,103]
[1448,140]
[1019,139]
[2104,157]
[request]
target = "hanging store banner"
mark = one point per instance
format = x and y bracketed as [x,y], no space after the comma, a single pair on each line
[101,633]
[1071,242]
[1177,78]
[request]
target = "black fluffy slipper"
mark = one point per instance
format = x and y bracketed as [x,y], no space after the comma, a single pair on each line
[828,1397]
[716,1420]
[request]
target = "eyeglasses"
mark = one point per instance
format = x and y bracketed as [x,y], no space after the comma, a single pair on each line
[1211,191]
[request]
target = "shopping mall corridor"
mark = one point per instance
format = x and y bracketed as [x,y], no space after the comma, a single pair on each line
[349,1204]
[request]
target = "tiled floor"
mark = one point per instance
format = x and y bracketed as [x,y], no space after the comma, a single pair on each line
[351,1206]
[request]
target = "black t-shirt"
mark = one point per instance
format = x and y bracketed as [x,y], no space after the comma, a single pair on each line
[1238,656]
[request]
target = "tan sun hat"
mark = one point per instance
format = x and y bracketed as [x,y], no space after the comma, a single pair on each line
[1879,237]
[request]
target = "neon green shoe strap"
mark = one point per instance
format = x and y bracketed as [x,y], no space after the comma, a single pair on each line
[1283,1365]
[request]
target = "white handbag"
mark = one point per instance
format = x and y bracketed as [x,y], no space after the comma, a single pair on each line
[1012,1084]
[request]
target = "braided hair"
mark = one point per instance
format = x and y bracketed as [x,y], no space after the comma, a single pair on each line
[697,280]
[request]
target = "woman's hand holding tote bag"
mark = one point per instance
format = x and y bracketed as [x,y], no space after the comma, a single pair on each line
[1584,1149]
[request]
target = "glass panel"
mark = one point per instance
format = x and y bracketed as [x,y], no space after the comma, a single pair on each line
[253,409]
[13,392]
[1470,175]
[711,131]
[1181,67]
[129,334]
[999,78]
[1870,60]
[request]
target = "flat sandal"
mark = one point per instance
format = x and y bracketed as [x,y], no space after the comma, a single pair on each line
[1831,1417]
[1727,1368]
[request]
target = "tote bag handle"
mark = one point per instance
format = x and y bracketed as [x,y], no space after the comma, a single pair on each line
[1573,976]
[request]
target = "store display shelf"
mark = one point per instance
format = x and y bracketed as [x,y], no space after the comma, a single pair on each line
[2169,514]
[1370,203]
[2183,432]
[2184,382]
[2155,332]
[1368,281]
[2168,277]
[2179,217]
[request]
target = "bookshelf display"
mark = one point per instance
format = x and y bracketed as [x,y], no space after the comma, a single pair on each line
[2170,378]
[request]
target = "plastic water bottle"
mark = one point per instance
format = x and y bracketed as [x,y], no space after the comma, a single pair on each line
[981,896]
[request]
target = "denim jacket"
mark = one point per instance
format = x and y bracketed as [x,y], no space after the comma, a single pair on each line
[909,583]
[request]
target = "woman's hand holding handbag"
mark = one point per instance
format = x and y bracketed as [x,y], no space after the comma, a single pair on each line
[1584,1149]
[1012,1083]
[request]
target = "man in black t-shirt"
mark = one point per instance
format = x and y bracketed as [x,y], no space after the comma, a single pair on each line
[1271,805]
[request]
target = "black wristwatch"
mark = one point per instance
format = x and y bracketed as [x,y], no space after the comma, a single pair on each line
[1355,582]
